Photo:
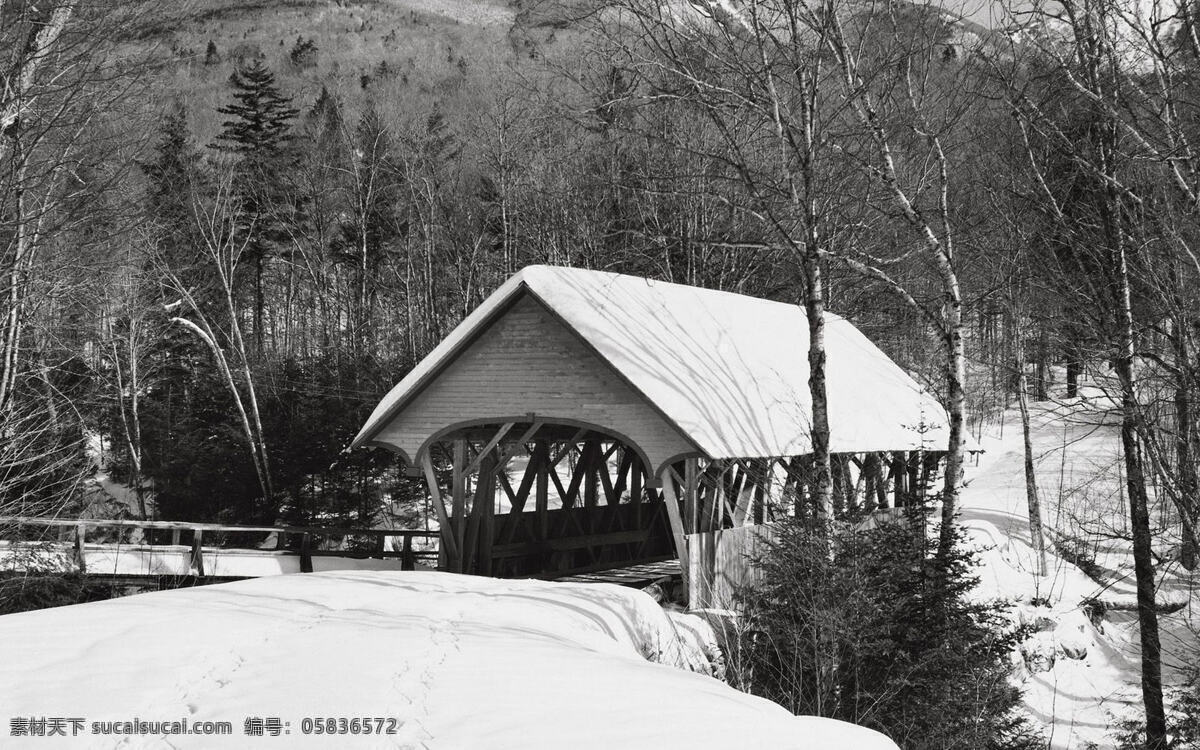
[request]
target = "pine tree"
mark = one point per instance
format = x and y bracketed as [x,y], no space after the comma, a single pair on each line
[303,54]
[170,179]
[262,116]
[871,626]
[172,167]
[259,136]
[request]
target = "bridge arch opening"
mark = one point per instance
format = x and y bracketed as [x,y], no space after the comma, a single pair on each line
[532,498]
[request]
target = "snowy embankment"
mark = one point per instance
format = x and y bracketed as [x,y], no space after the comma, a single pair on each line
[172,560]
[1081,669]
[459,661]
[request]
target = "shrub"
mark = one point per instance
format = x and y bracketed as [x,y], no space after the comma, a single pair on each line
[303,54]
[22,592]
[869,627]
[1183,718]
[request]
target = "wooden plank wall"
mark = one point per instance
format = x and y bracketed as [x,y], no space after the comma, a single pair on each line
[721,562]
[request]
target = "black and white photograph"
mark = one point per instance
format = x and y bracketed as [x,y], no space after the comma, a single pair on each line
[600,374]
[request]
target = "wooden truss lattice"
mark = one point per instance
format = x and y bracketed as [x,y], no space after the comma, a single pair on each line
[547,500]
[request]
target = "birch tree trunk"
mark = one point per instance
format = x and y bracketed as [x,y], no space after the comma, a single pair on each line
[938,241]
[1135,476]
[1036,532]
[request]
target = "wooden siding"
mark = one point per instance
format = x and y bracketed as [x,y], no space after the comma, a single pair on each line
[529,362]
[721,563]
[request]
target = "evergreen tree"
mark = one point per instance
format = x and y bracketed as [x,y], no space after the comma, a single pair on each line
[262,117]
[259,136]
[170,174]
[323,123]
[871,627]
[303,54]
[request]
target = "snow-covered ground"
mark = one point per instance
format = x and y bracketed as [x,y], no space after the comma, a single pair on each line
[1081,676]
[458,661]
[172,560]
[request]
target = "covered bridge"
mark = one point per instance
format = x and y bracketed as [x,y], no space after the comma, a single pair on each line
[580,420]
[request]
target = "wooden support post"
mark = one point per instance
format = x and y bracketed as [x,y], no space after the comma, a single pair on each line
[881,496]
[870,475]
[916,491]
[763,469]
[450,550]
[591,464]
[198,552]
[542,456]
[479,523]
[929,471]
[175,539]
[853,486]
[458,496]
[690,490]
[487,531]
[306,565]
[671,500]
[80,551]
[723,475]
[743,490]
[636,478]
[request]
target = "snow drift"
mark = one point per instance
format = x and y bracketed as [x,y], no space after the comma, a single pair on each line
[459,661]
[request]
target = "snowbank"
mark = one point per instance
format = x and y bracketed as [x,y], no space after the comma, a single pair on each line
[459,661]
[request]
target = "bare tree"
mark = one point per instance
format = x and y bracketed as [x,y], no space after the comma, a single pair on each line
[223,244]
[794,89]
[1125,75]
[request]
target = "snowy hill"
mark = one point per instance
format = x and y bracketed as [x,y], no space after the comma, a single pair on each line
[459,662]
[1082,668]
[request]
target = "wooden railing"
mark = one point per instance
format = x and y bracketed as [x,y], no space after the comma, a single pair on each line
[407,555]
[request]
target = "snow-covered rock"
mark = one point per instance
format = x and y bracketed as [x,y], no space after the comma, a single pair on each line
[1039,653]
[458,661]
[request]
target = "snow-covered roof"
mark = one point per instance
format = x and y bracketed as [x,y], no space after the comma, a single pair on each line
[729,371]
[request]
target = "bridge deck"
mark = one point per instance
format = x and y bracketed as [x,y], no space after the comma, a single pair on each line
[642,574]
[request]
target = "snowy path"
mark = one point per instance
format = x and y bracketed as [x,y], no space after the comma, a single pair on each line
[460,662]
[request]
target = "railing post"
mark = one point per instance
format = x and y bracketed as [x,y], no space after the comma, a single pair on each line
[80,534]
[198,552]
[306,565]
[408,561]
[175,537]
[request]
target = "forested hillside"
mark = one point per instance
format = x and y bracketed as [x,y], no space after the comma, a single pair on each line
[227,228]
